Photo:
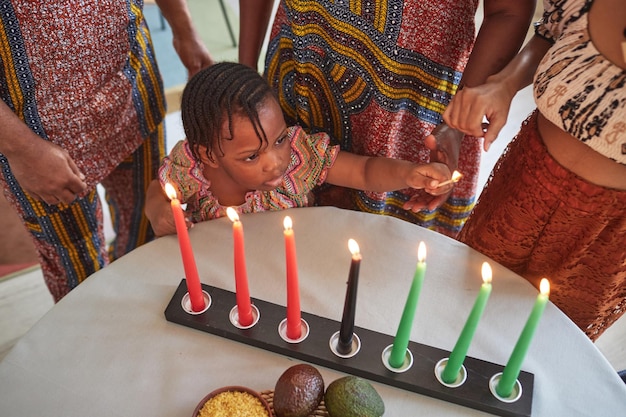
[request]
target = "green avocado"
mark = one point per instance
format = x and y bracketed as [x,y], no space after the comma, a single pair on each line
[298,391]
[352,396]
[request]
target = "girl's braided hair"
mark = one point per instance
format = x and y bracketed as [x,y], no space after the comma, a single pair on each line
[217,93]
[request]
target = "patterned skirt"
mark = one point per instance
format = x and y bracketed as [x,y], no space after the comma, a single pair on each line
[376,76]
[540,220]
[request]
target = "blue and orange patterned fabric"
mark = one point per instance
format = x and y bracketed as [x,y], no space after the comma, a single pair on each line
[376,76]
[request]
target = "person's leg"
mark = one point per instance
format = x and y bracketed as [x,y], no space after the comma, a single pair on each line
[508,217]
[126,190]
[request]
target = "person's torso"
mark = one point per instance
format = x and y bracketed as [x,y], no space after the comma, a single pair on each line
[576,87]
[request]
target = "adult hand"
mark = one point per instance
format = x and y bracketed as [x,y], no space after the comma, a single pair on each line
[471,106]
[444,144]
[187,43]
[192,53]
[47,172]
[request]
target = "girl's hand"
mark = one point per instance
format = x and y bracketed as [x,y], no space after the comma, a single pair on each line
[159,211]
[428,177]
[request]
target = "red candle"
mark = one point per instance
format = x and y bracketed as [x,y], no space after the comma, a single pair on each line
[244,308]
[294,328]
[191,272]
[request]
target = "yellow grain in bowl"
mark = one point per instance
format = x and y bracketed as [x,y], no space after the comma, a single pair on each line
[233,403]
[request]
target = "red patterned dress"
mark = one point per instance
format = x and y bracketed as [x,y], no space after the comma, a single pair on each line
[376,76]
[82,74]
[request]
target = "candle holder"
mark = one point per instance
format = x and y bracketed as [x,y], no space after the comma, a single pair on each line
[304,331]
[336,348]
[460,379]
[474,393]
[406,364]
[185,303]
[515,395]
[234,317]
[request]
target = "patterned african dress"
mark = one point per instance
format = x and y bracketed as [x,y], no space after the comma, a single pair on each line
[82,74]
[376,76]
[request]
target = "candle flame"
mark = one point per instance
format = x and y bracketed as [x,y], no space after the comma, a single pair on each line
[170,191]
[354,247]
[232,214]
[456,176]
[421,252]
[486,271]
[287,223]
[544,286]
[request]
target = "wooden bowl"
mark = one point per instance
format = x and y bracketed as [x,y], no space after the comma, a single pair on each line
[233,388]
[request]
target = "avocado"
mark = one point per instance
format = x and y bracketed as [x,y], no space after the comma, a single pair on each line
[298,391]
[351,396]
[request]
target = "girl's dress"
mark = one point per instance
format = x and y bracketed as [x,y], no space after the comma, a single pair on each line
[311,157]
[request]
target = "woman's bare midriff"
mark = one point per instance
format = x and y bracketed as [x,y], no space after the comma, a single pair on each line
[580,158]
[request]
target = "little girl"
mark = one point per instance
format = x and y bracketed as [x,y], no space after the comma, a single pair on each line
[239,152]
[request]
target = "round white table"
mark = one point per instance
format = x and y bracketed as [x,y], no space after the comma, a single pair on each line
[107,350]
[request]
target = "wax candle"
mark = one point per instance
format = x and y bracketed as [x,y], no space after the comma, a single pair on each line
[189,264]
[294,328]
[514,365]
[242,293]
[458,354]
[346,330]
[401,341]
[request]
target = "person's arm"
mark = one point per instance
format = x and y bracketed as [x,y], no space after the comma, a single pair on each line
[380,174]
[500,37]
[493,98]
[187,42]
[43,169]
[502,32]
[254,17]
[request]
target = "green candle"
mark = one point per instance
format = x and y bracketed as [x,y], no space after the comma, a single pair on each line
[514,365]
[457,357]
[401,341]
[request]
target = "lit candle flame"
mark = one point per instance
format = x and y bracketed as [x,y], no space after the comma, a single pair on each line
[170,191]
[544,286]
[287,223]
[421,252]
[354,248]
[486,272]
[232,214]
[456,176]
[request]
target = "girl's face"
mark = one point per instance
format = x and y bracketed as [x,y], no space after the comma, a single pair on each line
[243,162]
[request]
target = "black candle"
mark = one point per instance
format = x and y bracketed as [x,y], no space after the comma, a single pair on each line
[347,321]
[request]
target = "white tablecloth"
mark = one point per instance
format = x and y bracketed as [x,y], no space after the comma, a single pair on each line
[107,350]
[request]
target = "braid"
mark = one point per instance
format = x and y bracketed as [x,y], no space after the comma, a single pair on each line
[217,93]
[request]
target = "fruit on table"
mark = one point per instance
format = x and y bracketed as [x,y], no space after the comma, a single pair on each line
[351,396]
[298,391]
